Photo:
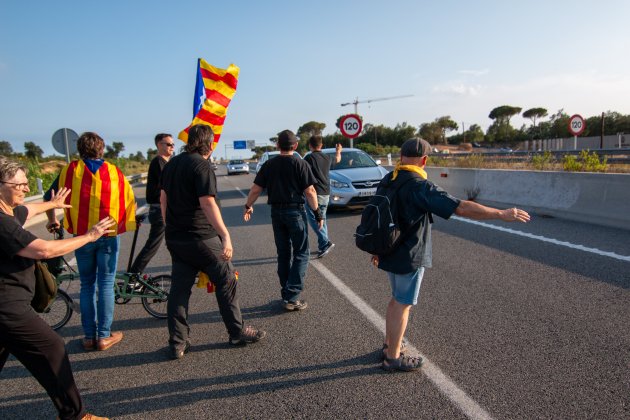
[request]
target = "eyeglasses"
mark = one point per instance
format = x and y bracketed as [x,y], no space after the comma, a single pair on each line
[169,144]
[17,186]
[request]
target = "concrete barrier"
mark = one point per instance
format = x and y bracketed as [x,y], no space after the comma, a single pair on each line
[602,199]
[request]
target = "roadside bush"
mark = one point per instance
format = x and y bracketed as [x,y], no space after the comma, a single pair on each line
[542,162]
[591,162]
[585,162]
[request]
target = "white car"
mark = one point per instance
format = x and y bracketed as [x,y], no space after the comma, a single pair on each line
[237,166]
[354,179]
[270,155]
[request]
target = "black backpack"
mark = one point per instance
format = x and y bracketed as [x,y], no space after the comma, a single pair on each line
[379,231]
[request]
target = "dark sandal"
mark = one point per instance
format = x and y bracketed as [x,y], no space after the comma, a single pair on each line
[403,349]
[403,363]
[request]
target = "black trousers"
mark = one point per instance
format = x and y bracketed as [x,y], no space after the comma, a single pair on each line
[151,247]
[190,257]
[43,352]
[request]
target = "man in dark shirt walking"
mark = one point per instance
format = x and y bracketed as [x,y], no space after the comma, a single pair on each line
[320,165]
[198,240]
[165,147]
[288,180]
[418,199]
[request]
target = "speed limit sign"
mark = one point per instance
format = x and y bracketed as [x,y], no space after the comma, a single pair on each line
[576,125]
[351,125]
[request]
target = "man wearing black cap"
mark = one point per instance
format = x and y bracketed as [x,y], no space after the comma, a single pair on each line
[406,263]
[288,180]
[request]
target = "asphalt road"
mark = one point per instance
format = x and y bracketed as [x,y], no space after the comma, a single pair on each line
[513,326]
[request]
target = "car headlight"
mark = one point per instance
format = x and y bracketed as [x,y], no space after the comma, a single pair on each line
[337,184]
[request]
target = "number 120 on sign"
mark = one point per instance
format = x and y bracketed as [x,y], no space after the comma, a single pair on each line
[351,126]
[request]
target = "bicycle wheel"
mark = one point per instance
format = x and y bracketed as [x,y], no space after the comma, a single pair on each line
[155,301]
[59,311]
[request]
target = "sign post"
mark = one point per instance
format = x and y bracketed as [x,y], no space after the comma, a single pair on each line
[577,125]
[351,126]
[64,141]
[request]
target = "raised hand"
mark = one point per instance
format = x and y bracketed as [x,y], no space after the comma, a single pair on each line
[58,199]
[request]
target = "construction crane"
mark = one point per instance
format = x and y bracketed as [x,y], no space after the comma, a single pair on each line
[357,101]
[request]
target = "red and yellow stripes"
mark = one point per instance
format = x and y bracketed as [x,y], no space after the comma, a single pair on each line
[220,87]
[96,196]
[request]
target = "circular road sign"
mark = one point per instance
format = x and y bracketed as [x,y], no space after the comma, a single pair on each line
[351,125]
[576,125]
[59,141]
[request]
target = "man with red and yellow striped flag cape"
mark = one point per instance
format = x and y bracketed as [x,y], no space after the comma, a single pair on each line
[98,189]
[214,90]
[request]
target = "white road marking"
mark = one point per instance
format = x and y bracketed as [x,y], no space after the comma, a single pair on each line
[545,239]
[443,383]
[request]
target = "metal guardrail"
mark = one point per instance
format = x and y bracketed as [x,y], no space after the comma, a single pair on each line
[131,178]
[612,155]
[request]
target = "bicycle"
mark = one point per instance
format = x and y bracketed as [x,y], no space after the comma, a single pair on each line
[152,291]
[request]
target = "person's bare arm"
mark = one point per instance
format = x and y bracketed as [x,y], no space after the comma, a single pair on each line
[41,249]
[472,210]
[311,201]
[213,214]
[254,193]
[338,149]
[56,202]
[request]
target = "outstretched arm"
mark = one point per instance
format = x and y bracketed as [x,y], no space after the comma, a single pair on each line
[476,211]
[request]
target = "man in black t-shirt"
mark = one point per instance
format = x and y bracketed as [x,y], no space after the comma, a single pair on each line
[288,180]
[198,240]
[320,165]
[165,147]
[418,199]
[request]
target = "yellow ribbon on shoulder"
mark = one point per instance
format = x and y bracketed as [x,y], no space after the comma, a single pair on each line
[410,168]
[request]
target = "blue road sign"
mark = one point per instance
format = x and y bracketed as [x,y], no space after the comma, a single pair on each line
[240,144]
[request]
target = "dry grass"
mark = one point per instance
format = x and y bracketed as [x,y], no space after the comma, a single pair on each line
[479,162]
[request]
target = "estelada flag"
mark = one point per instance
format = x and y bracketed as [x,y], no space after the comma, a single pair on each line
[214,90]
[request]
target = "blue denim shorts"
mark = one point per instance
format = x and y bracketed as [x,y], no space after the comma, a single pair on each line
[406,287]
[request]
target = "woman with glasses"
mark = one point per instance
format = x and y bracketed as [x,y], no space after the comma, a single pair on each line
[22,332]
[98,189]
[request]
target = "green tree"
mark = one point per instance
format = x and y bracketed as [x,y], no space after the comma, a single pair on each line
[5,148]
[431,132]
[113,151]
[306,131]
[33,151]
[151,153]
[503,113]
[446,124]
[138,157]
[534,113]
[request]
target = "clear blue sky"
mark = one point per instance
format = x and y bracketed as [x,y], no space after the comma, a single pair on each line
[126,69]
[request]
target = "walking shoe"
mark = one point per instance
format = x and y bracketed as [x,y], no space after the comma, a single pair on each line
[298,305]
[89,344]
[248,335]
[404,363]
[325,250]
[107,342]
[403,349]
[178,353]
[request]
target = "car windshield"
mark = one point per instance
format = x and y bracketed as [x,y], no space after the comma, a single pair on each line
[352,159]
[236,162]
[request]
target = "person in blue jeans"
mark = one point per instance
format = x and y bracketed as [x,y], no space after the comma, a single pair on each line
[320,166]
[288,181]
[98,188]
